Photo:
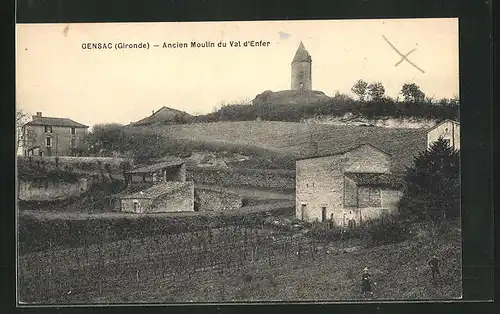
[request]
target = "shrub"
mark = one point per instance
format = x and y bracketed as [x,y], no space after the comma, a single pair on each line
[325,232]
[384,230]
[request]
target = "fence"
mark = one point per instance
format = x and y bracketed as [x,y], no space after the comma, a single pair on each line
[211,259]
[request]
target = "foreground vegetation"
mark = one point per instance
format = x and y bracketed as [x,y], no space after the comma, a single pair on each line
[236,263]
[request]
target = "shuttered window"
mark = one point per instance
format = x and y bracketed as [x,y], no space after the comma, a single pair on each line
[369,197]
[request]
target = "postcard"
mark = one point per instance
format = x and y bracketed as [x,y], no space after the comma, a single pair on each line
[238,162]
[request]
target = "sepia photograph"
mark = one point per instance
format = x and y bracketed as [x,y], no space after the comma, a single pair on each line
[238,162]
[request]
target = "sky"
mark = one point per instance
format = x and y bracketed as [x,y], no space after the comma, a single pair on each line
[56,76]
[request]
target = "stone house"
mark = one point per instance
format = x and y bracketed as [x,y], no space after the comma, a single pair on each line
[50,136]
[346,187]
[448,130]
[171,170]
[164,188]
[160,198]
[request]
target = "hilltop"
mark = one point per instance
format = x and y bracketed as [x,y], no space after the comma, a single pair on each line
[292,97]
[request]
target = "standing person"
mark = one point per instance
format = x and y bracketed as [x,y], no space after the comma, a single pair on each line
[434,264]
[366,286]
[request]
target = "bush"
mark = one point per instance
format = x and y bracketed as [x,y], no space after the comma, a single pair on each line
[384,230]
[326,232]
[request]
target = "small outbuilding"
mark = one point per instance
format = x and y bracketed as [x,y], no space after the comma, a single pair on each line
[172,170]
[160,198]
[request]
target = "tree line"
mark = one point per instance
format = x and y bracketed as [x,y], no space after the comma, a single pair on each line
[370,102]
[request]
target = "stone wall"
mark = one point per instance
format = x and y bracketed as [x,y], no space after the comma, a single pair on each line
[301,74]
[217,200]
[259,178]
[319,184]
[178,198]
[367,159]
[50,190]
[137,205]
[390,199]
[350,193]
[388,205]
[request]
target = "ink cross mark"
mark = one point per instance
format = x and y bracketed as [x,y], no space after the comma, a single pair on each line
[404,57]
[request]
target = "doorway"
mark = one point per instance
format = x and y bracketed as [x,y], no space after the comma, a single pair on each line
[302,210]
[323,214]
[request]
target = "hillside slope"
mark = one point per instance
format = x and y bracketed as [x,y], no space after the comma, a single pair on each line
[400,272]
[301,139]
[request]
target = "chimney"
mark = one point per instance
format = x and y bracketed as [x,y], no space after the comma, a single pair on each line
[38,115]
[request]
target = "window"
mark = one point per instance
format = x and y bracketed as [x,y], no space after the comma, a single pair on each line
[48,129]
[137,205]
[369,197]
[73,131]
[48,142]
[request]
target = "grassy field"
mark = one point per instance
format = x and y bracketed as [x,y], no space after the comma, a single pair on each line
[291,138]
[240,264]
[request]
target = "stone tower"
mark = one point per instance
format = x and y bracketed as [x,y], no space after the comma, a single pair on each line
[301,69]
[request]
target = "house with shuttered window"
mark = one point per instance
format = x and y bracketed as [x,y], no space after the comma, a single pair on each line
[52,136]
[347,187]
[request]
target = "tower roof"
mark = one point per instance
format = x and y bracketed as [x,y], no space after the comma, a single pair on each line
[302,55]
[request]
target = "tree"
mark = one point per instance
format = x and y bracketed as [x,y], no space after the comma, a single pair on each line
[125,167]
[360,89]
[412,93]
[21,119]
[106,137]
[108,169]
[433,185]
[376,91]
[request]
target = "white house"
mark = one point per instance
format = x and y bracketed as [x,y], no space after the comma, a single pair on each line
[448,130]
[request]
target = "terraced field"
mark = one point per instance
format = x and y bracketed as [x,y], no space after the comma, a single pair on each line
[301,139]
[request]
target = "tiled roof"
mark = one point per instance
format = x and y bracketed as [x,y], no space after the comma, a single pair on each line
[376,179]
[302,55]
[444,121]
[156,190]
[51,121]
[158,166]
[164,114]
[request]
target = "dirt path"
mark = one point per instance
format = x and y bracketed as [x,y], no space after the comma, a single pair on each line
[255,193]
[81,215]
